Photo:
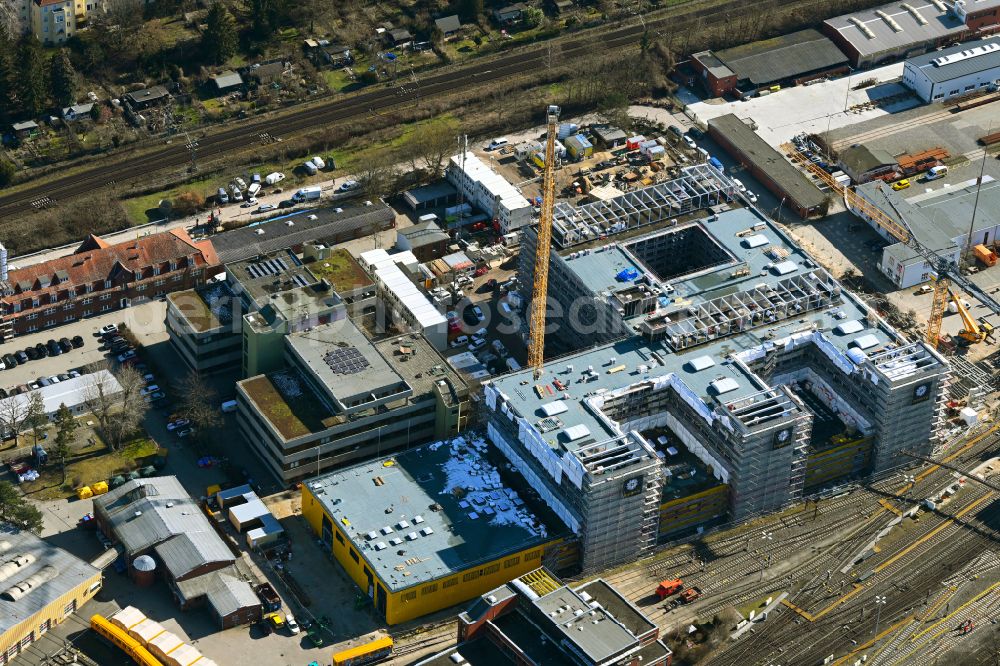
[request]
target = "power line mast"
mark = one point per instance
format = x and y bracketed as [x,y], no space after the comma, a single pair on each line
[539,296]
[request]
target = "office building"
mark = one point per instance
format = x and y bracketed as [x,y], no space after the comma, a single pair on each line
[739,375]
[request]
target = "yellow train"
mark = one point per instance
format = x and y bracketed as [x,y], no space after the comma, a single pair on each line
[118,636]
[369,653]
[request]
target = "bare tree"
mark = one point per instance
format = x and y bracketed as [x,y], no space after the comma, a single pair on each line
[376,175]
[119,409]
[198,405]
[13,413]
[36,418]
[431,144]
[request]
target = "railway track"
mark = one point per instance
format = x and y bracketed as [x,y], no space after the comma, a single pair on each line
[118,170]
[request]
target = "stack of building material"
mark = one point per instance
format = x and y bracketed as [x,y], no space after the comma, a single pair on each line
[127,618]
[146,631]
[164,644]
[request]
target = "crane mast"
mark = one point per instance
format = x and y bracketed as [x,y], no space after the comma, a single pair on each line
[539,293]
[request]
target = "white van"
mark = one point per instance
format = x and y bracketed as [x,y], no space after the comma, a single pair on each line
[429,217]
[936,172]
[497,143]
[229,406]
[459,341]
[308,194]
[318,161]
[310,168]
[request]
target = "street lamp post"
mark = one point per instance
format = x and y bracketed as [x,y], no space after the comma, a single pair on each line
[879,602]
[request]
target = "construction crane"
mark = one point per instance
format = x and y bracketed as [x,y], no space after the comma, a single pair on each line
[974,331]
[946,271]
[539,293]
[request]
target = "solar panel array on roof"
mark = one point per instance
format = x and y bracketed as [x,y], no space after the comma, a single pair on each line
[346,360]
[267,267]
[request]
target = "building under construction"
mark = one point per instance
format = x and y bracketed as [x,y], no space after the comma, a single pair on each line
[702,367]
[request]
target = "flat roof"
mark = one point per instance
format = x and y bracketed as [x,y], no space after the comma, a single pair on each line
[870,33]
[427,193]
[625,362]
[429,512]
[71,392]
[391,277]
[285,399]
[490,180]
[420,365]
[342,270]
[783,57]
[262,275]
[768,160]
[957,61]
[205,308]
[63,573]
[712,63]
[345,362]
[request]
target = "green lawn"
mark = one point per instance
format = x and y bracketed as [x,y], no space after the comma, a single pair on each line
[90,464]
[136,207]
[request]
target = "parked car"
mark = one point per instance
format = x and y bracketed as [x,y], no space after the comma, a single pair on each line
[348,185]
[690,142]
[186,432]
[65,344]
[54,348]
[74,373]
[146,390]
[76,341]
[63,376]
[293,626]
[126,356]
[478,311]
[901,184]
[42,350]
[154,397]
[263,208]
[459,341]
[477,343]
[482,270]
[739,185]
[178,423]
[22,356]
[751,196]
[110,328]
[54,379]
[10,360]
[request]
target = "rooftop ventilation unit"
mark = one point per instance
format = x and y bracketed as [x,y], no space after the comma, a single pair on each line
[862,27]
[940,5]
[951,59]
[888,19]
[44,575]
[15,564]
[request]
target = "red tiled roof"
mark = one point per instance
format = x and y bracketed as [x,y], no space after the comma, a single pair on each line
[101,261]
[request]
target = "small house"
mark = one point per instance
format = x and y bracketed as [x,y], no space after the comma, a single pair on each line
[24,129]
[448,26]
[147,97]
[632,143]
[510,14]
[227,81]
[398,37]
[579,147]
[77,112]
[265,73]
[338,55]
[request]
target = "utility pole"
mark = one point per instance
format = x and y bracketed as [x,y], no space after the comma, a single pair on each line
[192,147]
[765,559]
[879,602]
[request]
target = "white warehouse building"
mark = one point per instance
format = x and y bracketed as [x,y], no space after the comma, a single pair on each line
[959,70]
[488,190]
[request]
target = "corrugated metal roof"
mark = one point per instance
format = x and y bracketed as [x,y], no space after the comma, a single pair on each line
[245,242]
[186,552]
[70,392]
[146,512]
[969,65]
[784,57]
[70,572]
[884,38]
[231,595]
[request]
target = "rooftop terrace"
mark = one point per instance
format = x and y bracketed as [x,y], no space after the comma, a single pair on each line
[428,512]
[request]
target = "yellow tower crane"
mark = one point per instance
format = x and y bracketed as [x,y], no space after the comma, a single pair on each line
[539,293]
[945,270]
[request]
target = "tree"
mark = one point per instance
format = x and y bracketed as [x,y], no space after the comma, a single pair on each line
[30,76]
[188,203]
[119,413]
[266,16]
[7,88]
[62,79]
[36,418]
[470,10]
[533,17]
[198,405]
[219,39]
[120,28]
[431,144]
[16,510]
[12,416]
[6,173]
[66,427]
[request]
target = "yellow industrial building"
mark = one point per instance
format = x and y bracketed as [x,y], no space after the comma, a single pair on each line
[40,586]
[426,529]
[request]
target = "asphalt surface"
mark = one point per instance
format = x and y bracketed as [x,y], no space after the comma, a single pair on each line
[119,169]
